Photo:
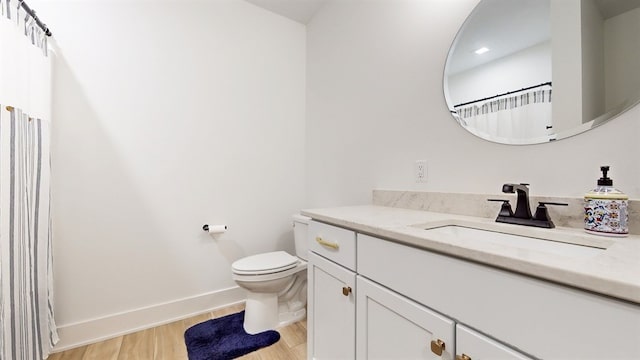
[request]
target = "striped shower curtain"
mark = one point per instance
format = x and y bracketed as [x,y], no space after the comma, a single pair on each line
[27,328]
[511,119]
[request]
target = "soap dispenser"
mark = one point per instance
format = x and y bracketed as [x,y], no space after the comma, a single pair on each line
[605,208]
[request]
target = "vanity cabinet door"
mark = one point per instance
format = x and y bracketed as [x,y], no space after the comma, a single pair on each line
[474,346]
[331,310]
[390,326]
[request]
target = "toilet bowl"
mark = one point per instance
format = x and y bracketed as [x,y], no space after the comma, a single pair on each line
[276,284]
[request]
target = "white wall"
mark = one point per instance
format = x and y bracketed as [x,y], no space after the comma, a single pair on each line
[622,49]
[169,115]
[592,35]
[528,67]
[375,105]
[566,50]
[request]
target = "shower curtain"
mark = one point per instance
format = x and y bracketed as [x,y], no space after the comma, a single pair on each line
[512,118]
[27,328]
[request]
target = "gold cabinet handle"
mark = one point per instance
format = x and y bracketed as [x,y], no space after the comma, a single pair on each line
[324,242]
[346,290]
[437,346]
[463,357]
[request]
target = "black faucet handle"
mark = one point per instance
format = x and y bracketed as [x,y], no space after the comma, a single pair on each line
[542,213]
[505,210]
[553,203]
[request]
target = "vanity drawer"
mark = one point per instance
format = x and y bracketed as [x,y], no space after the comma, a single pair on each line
[334,243]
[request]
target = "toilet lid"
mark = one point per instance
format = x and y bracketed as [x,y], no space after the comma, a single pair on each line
[264,263]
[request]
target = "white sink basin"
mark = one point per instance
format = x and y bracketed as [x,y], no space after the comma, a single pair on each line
[542,240]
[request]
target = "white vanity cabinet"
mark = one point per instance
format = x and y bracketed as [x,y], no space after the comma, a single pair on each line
[471,345]
[401,301]
[331,303]
[527,316]
[390,326]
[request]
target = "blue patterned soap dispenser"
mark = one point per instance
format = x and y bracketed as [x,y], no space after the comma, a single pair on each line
[605,209]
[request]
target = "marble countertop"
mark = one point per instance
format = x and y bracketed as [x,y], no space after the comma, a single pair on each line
[614,271]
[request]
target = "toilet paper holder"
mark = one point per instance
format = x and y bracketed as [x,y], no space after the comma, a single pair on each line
[214,228]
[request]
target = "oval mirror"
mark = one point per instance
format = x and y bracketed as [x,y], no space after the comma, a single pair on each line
[534,71]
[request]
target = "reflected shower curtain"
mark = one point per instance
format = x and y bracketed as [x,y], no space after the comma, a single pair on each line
[511,119]
[27,328]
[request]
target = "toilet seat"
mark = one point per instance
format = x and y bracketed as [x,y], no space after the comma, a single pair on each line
[267,263]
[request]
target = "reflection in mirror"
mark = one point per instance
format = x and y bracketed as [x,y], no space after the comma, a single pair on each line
[534,71]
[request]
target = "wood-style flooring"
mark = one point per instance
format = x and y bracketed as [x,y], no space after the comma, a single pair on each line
[166,342]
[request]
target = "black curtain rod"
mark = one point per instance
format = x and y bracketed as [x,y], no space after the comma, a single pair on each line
[507,93]
[33,15]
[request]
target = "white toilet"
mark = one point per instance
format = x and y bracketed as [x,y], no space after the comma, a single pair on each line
[276,284]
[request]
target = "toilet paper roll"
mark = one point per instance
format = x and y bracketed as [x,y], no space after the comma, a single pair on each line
[215,229]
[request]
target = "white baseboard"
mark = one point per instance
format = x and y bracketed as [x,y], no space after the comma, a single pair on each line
[107,327]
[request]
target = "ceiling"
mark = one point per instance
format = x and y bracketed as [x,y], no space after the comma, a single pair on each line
[303,10]
[611,8]
[527,24]
[298,10]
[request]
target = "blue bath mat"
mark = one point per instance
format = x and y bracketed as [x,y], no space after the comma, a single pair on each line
[225,338]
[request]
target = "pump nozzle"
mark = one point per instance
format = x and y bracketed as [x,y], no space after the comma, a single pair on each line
[604,180]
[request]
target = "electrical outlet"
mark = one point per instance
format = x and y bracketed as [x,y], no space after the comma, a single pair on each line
[421,171]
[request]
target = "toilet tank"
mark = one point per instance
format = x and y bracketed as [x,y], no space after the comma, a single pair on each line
[300,225]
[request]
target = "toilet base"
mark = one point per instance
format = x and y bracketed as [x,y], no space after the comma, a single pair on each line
[262,312]
[276,300]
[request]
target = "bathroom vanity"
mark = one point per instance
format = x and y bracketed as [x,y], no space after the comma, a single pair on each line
[392,283]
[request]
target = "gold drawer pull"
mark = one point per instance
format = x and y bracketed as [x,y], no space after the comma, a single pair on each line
[463,357]
[323,242]
[346,290]
[437,346]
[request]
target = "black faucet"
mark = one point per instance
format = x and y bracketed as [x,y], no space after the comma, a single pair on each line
[522,215]
[523,211]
